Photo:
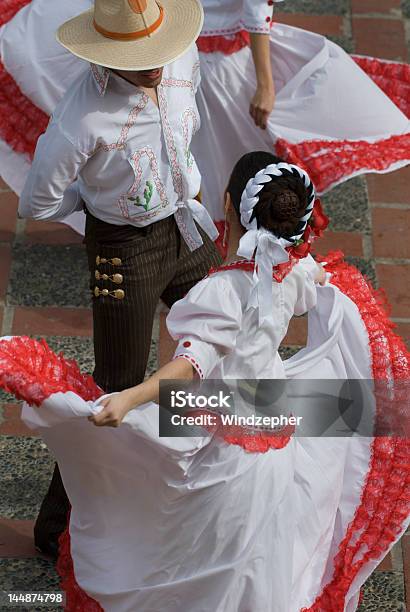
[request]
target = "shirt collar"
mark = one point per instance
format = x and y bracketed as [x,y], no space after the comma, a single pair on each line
[101,76]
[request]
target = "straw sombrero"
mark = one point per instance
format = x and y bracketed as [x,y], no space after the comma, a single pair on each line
[133,34]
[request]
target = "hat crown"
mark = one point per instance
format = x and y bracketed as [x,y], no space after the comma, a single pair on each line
[124,17]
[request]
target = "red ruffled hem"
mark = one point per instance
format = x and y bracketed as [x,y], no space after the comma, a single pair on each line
[224,44]
[32,372]
[392,77]
[76,599]
[385,499]
[329,162]
[252,441]
[8,8]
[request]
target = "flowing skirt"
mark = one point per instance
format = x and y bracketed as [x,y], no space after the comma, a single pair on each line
[335,116]
[200,523]
[330,117]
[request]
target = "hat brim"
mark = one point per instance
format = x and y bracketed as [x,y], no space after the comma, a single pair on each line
[180,28]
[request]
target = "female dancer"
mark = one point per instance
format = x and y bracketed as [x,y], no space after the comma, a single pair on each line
[230,521]
[329,116]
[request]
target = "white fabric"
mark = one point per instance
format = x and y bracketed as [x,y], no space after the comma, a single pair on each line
[216,315]
[321,92]
[130,159]
[225,17]
[170,524]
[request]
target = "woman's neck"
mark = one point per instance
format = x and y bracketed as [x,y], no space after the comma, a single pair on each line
[236,232]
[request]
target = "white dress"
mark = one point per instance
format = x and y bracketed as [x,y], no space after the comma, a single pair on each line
[200,523]
[330,117]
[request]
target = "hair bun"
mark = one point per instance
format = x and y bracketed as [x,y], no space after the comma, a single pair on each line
[287,205]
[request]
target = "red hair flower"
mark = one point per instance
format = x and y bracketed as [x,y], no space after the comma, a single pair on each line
[318,221]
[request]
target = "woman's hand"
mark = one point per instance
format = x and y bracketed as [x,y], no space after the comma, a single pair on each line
[115,409]
[263,101]
[262,105]
[321,277]
[118,405]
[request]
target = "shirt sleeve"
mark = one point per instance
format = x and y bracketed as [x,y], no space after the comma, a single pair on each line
[50,191]
[257,15]
[206,323]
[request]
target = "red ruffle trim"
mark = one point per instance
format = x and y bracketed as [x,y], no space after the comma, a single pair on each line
[279,272]
[32,372]
[76,599]
[329,162]
[21,121]
[252,441]
[392,77]
[385,499]
[224,44]
[8,8]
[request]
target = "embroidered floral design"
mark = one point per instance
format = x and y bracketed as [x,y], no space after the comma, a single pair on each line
[101,76]
[196,75]
[188,114]
[169,139]
[172,82]
[148,192]
[131,121]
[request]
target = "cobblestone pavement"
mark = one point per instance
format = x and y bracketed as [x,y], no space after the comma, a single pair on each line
[43,292]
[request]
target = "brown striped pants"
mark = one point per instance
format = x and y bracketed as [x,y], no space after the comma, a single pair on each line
[155,264]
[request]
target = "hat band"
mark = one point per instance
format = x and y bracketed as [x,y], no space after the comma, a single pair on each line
[132,35]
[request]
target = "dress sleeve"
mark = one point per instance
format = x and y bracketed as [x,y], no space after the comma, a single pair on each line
[50,191]
[206,323]
[257,15]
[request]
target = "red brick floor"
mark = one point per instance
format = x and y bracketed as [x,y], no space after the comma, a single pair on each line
[377,27]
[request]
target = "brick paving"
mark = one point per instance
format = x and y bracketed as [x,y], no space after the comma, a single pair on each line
[43,292]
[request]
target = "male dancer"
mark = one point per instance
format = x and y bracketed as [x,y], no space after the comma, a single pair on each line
[118,145]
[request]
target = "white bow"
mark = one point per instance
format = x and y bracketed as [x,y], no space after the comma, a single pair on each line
[270,251]
[186,214]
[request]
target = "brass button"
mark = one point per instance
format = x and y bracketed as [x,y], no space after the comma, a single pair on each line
[119,294]
[97,275]
[96,292]
[99,260]
[105,277]
[105,292]
[117,279]
[116,261]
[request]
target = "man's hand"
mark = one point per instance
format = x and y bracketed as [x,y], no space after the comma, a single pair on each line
[115,409]
[262,105]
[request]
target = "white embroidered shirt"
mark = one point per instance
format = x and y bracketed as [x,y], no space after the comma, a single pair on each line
[109,145]
[225,17]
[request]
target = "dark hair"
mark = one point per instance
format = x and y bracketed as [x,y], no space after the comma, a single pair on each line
[282,202]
